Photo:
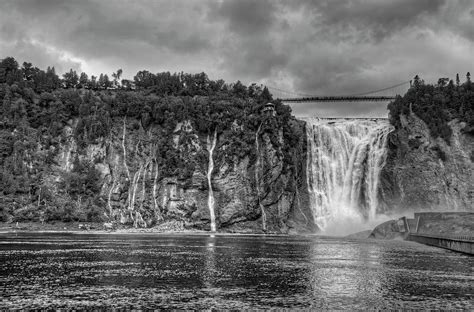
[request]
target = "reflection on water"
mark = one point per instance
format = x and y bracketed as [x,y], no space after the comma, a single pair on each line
[202,272]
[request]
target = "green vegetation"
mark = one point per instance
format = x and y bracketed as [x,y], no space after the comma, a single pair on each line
[437,104]
[37,105]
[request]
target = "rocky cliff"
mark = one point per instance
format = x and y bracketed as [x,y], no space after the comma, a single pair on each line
[424,173]
[250,192]
[166,148]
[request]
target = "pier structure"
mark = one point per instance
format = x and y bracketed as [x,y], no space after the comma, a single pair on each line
[428,228]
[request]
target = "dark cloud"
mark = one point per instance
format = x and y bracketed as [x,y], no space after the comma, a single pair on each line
[313,47]
[251,47]
[367,19]
[327,76]
[340,109]
[252,57]
[39,8]
[458,17]
[246,17]
[187,44]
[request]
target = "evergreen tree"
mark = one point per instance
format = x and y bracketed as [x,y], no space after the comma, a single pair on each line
[28,71]
[266,96]
[101,82]
[70,79]
[417,82]
[83,80]
[92,83]
[8,66]
[106,82]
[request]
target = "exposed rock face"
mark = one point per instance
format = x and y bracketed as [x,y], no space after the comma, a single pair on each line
[424,173]
[136,191]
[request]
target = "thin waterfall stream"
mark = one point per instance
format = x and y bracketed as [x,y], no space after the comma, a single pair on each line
[210,201]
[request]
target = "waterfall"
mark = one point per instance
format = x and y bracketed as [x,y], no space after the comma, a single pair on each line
[344,160]
[257,179]
[210,200]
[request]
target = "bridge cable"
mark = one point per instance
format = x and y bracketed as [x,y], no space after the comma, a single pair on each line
[355,94]
[288,92]
[379,90]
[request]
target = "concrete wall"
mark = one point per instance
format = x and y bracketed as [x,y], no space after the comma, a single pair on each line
[462,244]
[445,224]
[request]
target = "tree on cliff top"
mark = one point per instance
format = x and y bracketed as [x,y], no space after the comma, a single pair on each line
[436,105]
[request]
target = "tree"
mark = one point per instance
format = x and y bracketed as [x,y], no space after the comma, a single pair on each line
[104,82]
[217,85]
[417,82]
[457,80]
[92,84]
[52,80]
[468,77]
[28,71]
[127,84]
[442,82]
[265,96]
[144,79]
[239,89]
[100,83]
[116,77]
[83,80]
[436,105]
[107,83]
[70,79]
[8,66]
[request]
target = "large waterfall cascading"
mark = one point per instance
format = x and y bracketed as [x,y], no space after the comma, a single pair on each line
[210,200]
[344,161]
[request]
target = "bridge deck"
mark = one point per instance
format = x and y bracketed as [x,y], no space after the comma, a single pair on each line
[345,118]
[339,99]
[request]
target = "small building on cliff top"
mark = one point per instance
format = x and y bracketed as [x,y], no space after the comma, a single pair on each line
[269,109]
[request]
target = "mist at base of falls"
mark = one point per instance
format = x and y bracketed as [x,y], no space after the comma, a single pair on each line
[344,160]
[342,225]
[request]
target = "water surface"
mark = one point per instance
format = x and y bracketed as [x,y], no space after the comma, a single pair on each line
[203,272]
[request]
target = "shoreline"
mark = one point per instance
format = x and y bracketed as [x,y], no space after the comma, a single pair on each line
[156,233]
[137,232]
[72,228]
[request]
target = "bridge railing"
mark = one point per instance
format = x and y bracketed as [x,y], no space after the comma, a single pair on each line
[465,238]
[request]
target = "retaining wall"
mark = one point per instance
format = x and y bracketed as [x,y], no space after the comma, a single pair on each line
[464,244]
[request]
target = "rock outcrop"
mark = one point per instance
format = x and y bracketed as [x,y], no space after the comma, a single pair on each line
[426,173]
[386,230]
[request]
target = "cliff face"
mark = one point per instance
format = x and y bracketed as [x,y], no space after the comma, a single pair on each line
[250,193]
[422,172]
[203,156]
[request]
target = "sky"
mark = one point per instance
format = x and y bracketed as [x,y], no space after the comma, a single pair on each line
[330,47]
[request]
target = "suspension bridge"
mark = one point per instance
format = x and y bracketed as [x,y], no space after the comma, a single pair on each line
[384,94]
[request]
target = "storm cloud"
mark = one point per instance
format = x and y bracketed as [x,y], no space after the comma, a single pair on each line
[309,47]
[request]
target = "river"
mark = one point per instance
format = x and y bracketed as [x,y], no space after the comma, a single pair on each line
[229,271]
